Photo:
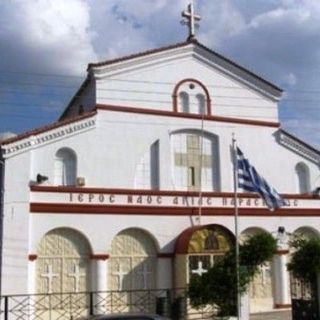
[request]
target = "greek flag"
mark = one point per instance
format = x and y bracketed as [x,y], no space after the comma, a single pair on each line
[250,180]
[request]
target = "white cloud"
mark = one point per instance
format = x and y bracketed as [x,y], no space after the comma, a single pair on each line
[48,35]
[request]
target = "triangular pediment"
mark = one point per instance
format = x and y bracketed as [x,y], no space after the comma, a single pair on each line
[191,50]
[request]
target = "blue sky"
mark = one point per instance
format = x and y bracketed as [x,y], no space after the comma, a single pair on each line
[46,45]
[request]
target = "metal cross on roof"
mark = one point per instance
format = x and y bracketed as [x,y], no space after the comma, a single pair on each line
[191,18]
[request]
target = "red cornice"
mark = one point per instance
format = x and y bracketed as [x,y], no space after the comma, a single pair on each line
[166,210]
[72,189]
[187,115]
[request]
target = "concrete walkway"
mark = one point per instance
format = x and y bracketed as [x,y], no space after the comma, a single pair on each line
[275,315]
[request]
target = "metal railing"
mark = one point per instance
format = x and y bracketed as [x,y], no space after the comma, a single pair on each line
[70,306]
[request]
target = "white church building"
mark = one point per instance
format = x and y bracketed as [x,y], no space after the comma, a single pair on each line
[132,188]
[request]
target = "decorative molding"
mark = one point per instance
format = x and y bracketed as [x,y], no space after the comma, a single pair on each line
[98,256]
[47,135]
[175,94]
[128,109]
[298,146]
[32,257]
[62,208]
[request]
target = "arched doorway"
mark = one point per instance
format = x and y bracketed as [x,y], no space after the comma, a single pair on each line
[132,271]
[261,289]
[133,261]
[197,249]
[63,263]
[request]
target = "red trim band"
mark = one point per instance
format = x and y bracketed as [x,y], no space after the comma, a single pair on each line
[96,256]
[187,115]
[282,306]
[282,252]
[169,211]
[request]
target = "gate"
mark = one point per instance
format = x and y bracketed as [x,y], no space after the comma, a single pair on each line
[304,297]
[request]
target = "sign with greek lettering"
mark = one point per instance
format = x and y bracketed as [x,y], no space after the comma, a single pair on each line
[161,200]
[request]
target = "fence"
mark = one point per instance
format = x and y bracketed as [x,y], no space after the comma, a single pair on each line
[70,306]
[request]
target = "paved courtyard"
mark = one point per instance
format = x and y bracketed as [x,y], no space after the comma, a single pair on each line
[276,315]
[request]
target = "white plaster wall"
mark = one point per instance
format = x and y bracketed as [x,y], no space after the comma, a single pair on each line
[16,225]
[108,155]
[151,87]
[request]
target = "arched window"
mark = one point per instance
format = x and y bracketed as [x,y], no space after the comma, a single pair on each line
[184,102]
[201,103]
[302,178]
[65,167]
[195,161]
[191,96]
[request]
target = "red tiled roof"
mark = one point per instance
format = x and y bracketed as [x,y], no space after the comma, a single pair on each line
[137,55]
[47,128]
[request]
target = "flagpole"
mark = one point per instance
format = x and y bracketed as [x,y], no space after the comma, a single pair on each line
[200,174]
[235,189]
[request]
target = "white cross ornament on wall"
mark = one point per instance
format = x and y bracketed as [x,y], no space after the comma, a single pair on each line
[144,274]
[49,275]
[200,271]
[120,274]
[77,275]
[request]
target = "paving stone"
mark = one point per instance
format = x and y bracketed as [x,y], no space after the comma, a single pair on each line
[275,315]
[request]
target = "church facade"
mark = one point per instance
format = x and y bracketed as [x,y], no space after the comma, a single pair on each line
[132,189]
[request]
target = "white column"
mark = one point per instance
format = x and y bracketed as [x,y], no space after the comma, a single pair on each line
[99,285]
[281,279]
[245,307]
[32,274]
[164,271]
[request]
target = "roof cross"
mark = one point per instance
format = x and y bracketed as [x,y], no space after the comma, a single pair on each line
[191,18]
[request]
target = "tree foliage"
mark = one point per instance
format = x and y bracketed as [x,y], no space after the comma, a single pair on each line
[219,285]
[305,260]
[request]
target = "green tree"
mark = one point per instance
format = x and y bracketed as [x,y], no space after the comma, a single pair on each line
[218,286]
[305,260]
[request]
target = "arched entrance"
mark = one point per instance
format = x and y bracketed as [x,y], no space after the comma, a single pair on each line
[198,248]
[133,261]
[63,263]
[261,289]
[132,271]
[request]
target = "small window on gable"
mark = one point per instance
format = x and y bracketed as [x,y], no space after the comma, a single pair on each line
[65,167]
[184,102]
[201,103]
[302,178]
[191,96]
